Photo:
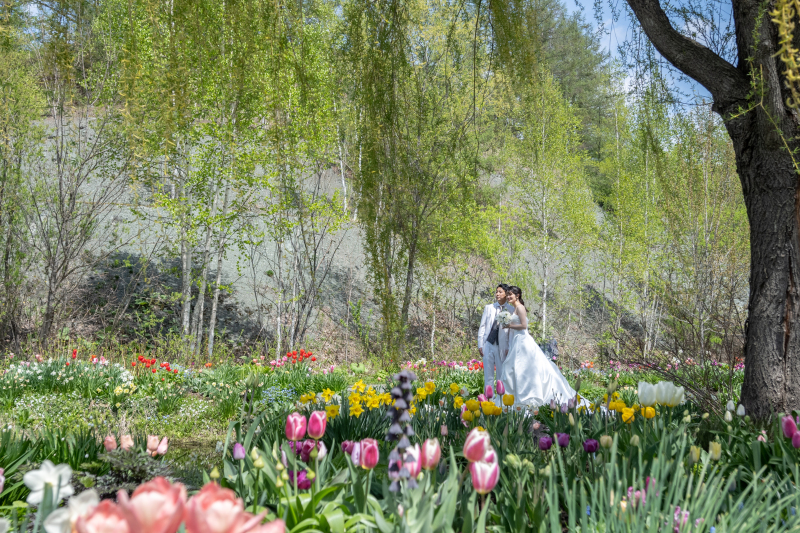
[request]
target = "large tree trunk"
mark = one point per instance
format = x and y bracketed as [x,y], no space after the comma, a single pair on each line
[772,197]
[751,98]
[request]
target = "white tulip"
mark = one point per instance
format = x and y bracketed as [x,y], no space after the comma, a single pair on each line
[740,410]
[731,406]
[63,520]
[728,416]
[58,477]
[663,392]
[647,394]
[677,396]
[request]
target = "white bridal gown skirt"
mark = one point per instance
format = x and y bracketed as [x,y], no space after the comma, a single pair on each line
[530,376]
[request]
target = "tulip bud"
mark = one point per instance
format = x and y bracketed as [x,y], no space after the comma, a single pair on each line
[740,410]
[571,420]
[488,392]
[501,388]
[126,442]
[412,461]
[591,446]
[110,443]
[152,443]
[430,454]
[606,441]
[728,417]
[512,461]
[476,445]
[647,394]
[635,440]
[355,454]
[484,476]
[370,454]
[788,426]
[443,430]
[214,474]
[482,397]
[296,427]
[714,450]
[730,406]
[705,415]
[796,440]
[162,447]
[259,463]
[316,424]
[254,453]
[694,454]
[238,452]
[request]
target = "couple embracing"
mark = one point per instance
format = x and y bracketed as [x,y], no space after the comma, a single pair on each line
[506,345]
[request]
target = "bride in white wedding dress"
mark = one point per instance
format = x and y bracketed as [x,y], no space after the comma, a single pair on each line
[528,374]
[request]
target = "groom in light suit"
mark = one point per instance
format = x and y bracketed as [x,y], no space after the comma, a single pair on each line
[491,337]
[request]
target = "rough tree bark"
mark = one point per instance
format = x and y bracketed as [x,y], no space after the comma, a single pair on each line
[762,139]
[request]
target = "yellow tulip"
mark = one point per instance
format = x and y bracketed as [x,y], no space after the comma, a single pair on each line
[648,412]
[694,454]
[422,392]
[627,415]
[508,400]
[467,416]
[715,450]
[488,407]
[473,405]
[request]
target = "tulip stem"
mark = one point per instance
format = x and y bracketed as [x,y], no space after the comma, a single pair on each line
[258,479]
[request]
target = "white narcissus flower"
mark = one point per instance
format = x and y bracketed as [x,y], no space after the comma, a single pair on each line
[647,394]
[63,520]
[58,477]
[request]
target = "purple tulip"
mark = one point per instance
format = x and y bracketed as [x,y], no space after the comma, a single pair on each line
[591,446]
[572,403]
[545,443]
[347,446]
[238,452]
[303,482]
[564,408]
[796,440]
[562,439]
[553,404]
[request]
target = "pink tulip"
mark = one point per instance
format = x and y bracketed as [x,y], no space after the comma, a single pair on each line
[218,510]
[110,443]
[370,454]
[431,453]
[482,397]
[295,426]
[355,454]
[105,518]
[154,507]
[152,444]
[443,430]
[788,426]
[501,389]
[316,424]
[162,447]
[490,456]
[2,480]
[488,392]
[476,445]
[796,440]
[126,442]
[484,476]
[347,446]
[412,461]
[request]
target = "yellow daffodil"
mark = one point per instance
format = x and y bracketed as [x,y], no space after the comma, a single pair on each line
[627,415]
[359,386]
[355,398]
[458,402]
[422,393]
[356,410]
[333,411]
[374,402]
[371,392]
[508,400]
[430,386]
[413,409]
[454,388]
[473,405]
[327,394]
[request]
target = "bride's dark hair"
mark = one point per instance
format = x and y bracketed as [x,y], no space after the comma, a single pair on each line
[516,291]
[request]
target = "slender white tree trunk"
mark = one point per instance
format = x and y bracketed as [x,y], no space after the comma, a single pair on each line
[197,326]
[212,322]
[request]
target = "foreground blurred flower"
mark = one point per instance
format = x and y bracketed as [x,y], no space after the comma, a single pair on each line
[238,452]
[64,520]
[545,443]
[606,441]
[715,450]
[788,426]
[370,453]
[647,394]
[476,445]
[154,507]
[126,442]
[317,423]
[295,426]
[58,477]
[430,454]
[484,476]
[590,446]
[110,443]
[104,518]
[218,510]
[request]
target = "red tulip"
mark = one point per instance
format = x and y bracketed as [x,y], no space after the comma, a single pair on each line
[484,476]
[476,445]
[501,389]
[313,358]
[154,370]
[74,354]
[431,453]
[370,454]
[133,363]
[295,426]
[147,365]
[67,363]
[175,371]
[316,424]
[788,426]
